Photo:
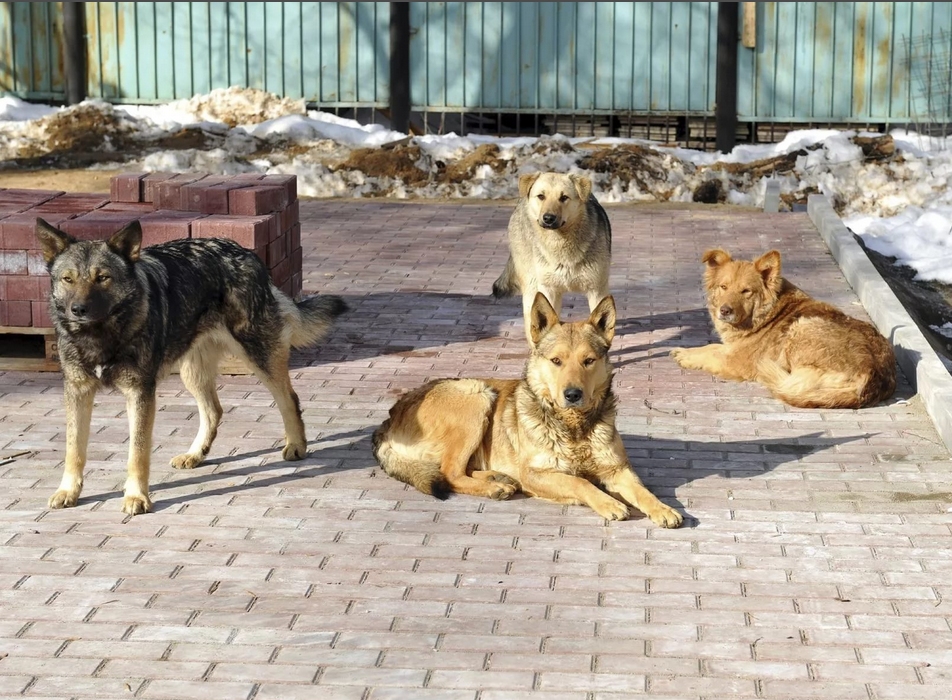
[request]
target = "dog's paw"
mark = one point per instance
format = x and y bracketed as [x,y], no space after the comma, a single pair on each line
[665,516]
[611,509]
[500,491]
[63,499]
[186,461]
[683,357]
[293,452]
[136,505]
[501,478]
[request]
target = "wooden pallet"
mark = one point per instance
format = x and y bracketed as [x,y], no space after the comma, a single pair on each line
[34,350]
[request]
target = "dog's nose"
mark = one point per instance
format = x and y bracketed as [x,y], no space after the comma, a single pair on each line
[572,396]
[726,310]
[550,219]
[78,309]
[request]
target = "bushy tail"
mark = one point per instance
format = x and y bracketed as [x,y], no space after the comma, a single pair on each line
[312,317]
[506,285]
[809,387]
[423,476]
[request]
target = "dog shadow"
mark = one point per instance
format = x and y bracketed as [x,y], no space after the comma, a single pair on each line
[694,328]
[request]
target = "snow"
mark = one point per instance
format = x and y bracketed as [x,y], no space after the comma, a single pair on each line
[901,206]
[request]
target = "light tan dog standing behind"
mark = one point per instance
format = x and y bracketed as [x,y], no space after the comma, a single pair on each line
[560,240]
[550,434]
[806,352]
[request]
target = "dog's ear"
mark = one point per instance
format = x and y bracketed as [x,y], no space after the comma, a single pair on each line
[715,257]
[542,318]
[603,318]
[526,181]
[583,186]
[52,240]
[768,265]
[127,241]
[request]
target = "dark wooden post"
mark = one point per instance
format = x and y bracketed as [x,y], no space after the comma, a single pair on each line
[400,66]
[74,58]
[725,108]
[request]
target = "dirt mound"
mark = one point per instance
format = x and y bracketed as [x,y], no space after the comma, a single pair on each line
[628,163]
[396,163]
[464,169]
[237,105]
[84,128]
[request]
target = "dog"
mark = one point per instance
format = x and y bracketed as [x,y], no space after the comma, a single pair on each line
[123,315]
[807,353]
[550,434]
[560,240]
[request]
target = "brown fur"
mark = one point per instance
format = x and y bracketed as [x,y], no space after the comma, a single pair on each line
[807,353]
[550,434]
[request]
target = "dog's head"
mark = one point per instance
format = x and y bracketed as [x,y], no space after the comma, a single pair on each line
[569,366]
[89,279]
[738,289]
[555,199]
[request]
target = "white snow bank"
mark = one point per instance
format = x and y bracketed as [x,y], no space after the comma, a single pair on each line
[13,109]
[921,239]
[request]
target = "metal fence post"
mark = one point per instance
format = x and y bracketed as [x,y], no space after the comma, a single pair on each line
[400,66]
[74,60]
[725,107]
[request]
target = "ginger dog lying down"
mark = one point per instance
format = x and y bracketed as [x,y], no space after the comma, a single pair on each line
[550,434]
[806,352]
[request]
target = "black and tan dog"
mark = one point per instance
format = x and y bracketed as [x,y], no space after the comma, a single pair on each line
[550,434]
[124,315]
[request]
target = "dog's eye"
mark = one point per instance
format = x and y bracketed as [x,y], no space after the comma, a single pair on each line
[589,361]
[564,198]
[724,287]
[102,278]
[541,196]
[67,279]
[556,361]
[746,291]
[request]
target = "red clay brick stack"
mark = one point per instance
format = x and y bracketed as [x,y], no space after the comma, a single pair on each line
[261,212]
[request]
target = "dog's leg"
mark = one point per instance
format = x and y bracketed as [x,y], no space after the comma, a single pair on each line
[596,295]
[140,405]
[460,443]
[278,380]
[565,488]
[199,373]
[79,410]
[714,358]
[555,298]
[528,298]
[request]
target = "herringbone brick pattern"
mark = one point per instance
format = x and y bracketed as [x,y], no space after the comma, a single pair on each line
[814,561]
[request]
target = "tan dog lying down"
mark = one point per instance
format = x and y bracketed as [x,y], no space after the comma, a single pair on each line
[550,434]
[806,352]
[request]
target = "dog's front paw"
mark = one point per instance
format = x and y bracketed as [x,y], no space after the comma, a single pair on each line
[501,491]
[293,452]
[611,509]
[683,357]
[186,461]
[136,505]
[665,516]
[63,499]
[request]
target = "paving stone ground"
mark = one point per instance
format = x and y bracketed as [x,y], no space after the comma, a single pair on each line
[814,561]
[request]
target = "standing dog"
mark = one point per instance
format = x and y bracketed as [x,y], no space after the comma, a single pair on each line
[807,353]
[560,240]
[550,434]
[124,315]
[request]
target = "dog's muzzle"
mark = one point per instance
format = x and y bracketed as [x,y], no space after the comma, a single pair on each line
[550,221]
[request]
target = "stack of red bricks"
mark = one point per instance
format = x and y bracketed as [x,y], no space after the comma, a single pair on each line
[261,212]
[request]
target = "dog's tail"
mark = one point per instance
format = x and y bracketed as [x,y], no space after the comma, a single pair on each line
[810,387]
[312,317]
[506,285]
[423,476]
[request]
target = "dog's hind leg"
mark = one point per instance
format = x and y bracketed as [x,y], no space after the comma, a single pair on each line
[461,441]
[79,410]
[275,376]
[199,372]
[140,405]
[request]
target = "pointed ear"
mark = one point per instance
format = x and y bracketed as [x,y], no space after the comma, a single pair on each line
[715,257]
[542,318]
[526,182]
[52,240]
[603,318]
[128,241]
[583,186]
[768,265]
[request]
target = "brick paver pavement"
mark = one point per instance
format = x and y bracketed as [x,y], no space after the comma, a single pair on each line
[814,561]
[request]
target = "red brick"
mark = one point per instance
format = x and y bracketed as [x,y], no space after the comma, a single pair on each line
[297,284]
[72,203]
[18,231]
[277,251]
[291,215]
[126,187]
[35,264]
[16,313]
[262,252]
[249,231]
[140,207]
[41,313]
[211,199]
[294,237]
[297,260]
[150,183]
[98,225]
[18,196]
[251,201]
[164,225]
[289,182]
[249,176]
[287,288]
[21,287]
[281,272]
[168,194]
[13,262]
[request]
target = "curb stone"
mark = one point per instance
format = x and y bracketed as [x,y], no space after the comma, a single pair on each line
[919,362]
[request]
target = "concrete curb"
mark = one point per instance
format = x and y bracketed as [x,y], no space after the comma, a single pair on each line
[918,360]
